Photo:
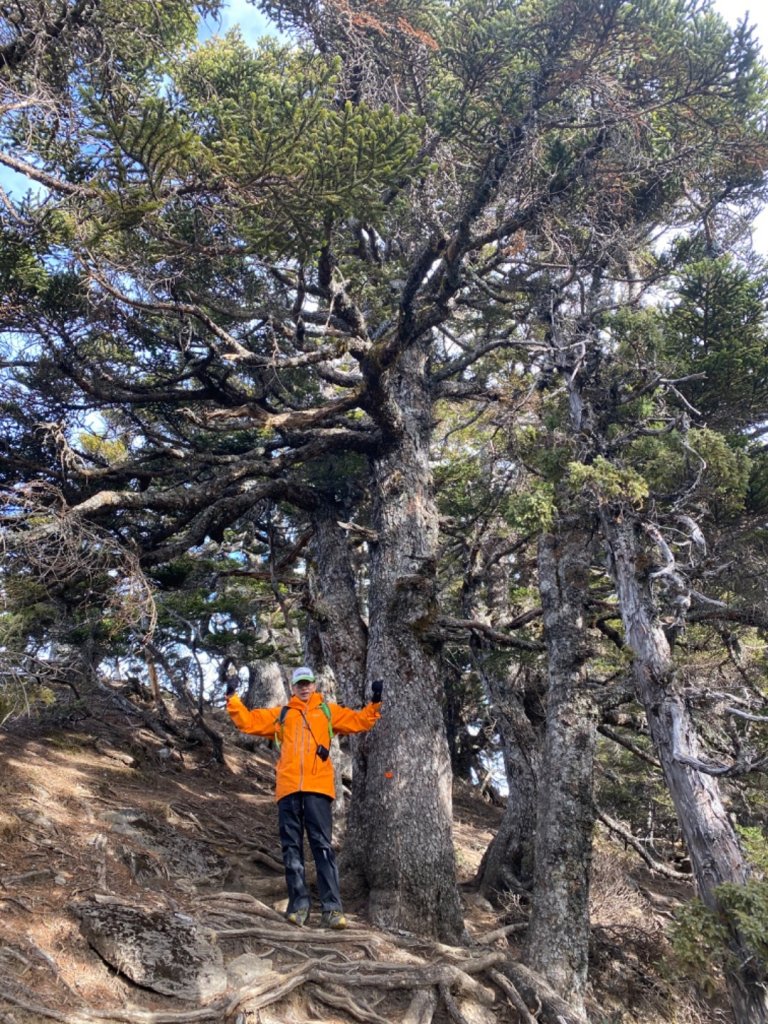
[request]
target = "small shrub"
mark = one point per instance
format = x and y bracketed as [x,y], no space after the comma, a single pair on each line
[701,935]
[756,848]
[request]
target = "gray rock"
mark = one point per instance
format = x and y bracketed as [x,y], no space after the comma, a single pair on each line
[38,819]
[158,850]
[160,950]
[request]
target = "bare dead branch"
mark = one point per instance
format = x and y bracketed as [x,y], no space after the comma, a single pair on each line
[609,733]
[448,625]
[626,836]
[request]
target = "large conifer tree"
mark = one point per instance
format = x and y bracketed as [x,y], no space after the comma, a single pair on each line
[246,265]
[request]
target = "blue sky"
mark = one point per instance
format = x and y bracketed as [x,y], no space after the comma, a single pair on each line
[252,22]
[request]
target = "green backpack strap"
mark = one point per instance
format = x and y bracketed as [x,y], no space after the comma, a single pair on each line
[278,740]
[281,721]
[327,712]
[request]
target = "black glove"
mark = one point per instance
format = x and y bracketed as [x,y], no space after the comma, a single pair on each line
[376,689]
[232,684]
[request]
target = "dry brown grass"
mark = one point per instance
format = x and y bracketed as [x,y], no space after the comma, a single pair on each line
[615,898]
[631,964]
[10,826]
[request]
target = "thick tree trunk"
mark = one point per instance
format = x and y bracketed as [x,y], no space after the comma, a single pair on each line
[335,608]
[266,685]
[518,709]
[407,813]
[713,847]
[343,640]
[508,863]
[557,942]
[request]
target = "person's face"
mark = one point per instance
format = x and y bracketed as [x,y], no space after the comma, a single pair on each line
[304,689]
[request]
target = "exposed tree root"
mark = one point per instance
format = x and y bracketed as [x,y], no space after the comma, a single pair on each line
[365,939]
[222,834]
[347,985]
[264,992]
[421,1008]
[258,856]
[371,975]
[501,933]
[342,1000]
[330,983]
[535,990]
[242,902]
[90,1016]
[506,986]
[450,1004]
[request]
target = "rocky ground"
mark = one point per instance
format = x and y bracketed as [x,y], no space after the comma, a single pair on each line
[141,883]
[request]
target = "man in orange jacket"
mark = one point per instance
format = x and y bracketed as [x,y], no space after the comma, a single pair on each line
[305,791]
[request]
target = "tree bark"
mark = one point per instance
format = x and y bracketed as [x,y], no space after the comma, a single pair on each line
[335,607]
[712,844]
[507,864]
[407,815]
[266,685]
[557,943]
[343,638]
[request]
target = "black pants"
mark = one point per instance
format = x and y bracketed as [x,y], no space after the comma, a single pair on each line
[311,812]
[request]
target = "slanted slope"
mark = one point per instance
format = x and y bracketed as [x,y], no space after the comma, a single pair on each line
[141,883]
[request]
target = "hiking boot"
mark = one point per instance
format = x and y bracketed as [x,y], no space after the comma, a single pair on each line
[298,917]
[333,919]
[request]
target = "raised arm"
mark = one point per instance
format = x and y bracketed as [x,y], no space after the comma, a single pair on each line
[259,721]
[346,721]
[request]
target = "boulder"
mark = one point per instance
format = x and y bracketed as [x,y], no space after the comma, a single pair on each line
[161,950]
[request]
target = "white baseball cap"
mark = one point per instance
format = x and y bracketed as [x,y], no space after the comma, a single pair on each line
[300,674]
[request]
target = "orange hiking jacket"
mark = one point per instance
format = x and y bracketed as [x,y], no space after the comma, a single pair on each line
[299,769]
